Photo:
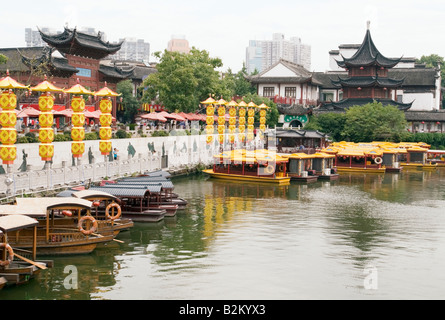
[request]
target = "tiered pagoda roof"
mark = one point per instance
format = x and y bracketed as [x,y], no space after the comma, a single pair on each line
[343,105]
[367,82]
[368,55]
[73,42]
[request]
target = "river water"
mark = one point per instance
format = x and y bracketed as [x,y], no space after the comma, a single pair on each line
[364,236]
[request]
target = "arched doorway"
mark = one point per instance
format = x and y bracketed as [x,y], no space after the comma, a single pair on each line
[295,124]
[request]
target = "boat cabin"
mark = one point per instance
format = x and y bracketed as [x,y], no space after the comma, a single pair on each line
[299,167]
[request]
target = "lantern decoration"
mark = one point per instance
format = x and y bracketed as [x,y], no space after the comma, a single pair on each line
[78,119]
[105,119]
[210,111]
[242,121]
[232,120]
[250,120]
[46,118]
[221,119]
[8,119]
[263,111]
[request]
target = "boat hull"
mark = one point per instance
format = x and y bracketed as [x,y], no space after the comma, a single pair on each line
[235,177]
[364,170]
[419,166]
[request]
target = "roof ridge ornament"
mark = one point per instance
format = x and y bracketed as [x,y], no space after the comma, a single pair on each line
[368,25]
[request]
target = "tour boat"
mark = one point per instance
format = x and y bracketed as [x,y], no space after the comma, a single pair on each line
[323,164]
[19,266]
[250,166]
[356,159]
[436,157]
[416,158]
[299,167]
[53,239]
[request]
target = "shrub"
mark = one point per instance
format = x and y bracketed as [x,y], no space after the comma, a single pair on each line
[122,134]
[91,136]
[159,133]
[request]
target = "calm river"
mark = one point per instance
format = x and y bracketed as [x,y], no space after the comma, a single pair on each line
[360,237]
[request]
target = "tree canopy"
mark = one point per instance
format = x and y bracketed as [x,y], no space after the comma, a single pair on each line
[183,80]
[129,102]
[366,123]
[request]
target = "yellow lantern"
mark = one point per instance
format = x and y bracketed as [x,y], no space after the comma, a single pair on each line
[8,119]
[263,113]
[210,111]
[250,120]
[78,118]
[46,118]
[105,119]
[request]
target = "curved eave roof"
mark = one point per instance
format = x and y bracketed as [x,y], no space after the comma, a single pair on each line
[78,43]
[367,82]
[347,103]
[368,55]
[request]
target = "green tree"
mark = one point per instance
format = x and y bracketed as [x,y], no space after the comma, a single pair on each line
[373,121]
[183,80]
[3,59]
[129,102]
[331,123]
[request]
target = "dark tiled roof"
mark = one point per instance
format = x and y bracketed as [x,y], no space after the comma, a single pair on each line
[293,109]
[78,43]
[347,103]
[368,55]
[115,72]
[367,82]
[425,116]
[292,133]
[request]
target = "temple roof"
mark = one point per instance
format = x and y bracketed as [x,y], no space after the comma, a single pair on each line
[368,55]
[367,82]
[293,109]
[71,41]
[342,105]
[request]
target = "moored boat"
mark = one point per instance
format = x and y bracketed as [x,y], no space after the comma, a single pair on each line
[299,167]
[53,239]
[250,166]
[18,266]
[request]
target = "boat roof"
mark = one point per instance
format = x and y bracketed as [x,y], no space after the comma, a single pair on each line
[46,203]
[93,195]
[165,184]
[125,190]
[16,222]
[242,155]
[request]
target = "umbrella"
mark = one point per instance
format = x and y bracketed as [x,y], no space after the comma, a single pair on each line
[66,113]
[178,117]
[28,113]
[154,117]
[46,86]
[92,114]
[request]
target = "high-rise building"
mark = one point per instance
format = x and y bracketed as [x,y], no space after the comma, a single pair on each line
[261,54]
[134,50]
[178,43]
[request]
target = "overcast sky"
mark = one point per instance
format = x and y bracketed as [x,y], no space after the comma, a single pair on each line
[399,28]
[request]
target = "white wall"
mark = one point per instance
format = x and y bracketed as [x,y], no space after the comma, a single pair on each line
[422,101]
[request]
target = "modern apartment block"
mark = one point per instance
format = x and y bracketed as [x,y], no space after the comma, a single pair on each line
[133,50]
[261,54]
[178,43]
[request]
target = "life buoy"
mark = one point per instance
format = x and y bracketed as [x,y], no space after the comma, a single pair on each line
[92,229]
[113,216]
[67,213]
[10,256]
[378,160]
[269,169]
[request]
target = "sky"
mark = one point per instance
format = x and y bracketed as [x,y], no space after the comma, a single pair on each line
[223,28]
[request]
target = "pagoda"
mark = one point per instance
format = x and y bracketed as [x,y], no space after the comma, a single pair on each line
[367,79]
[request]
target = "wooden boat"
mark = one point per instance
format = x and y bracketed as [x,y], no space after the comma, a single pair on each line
[299,167]
[323,164]
[134,201]
[250,166]
[106,210]
[55,237]
[18,266]
[165,199]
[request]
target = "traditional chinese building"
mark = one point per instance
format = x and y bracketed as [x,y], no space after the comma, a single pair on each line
[367,79]
[69,57]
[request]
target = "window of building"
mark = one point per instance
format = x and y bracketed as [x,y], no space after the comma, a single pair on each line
[84,72]
[268,91]
[290,92]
